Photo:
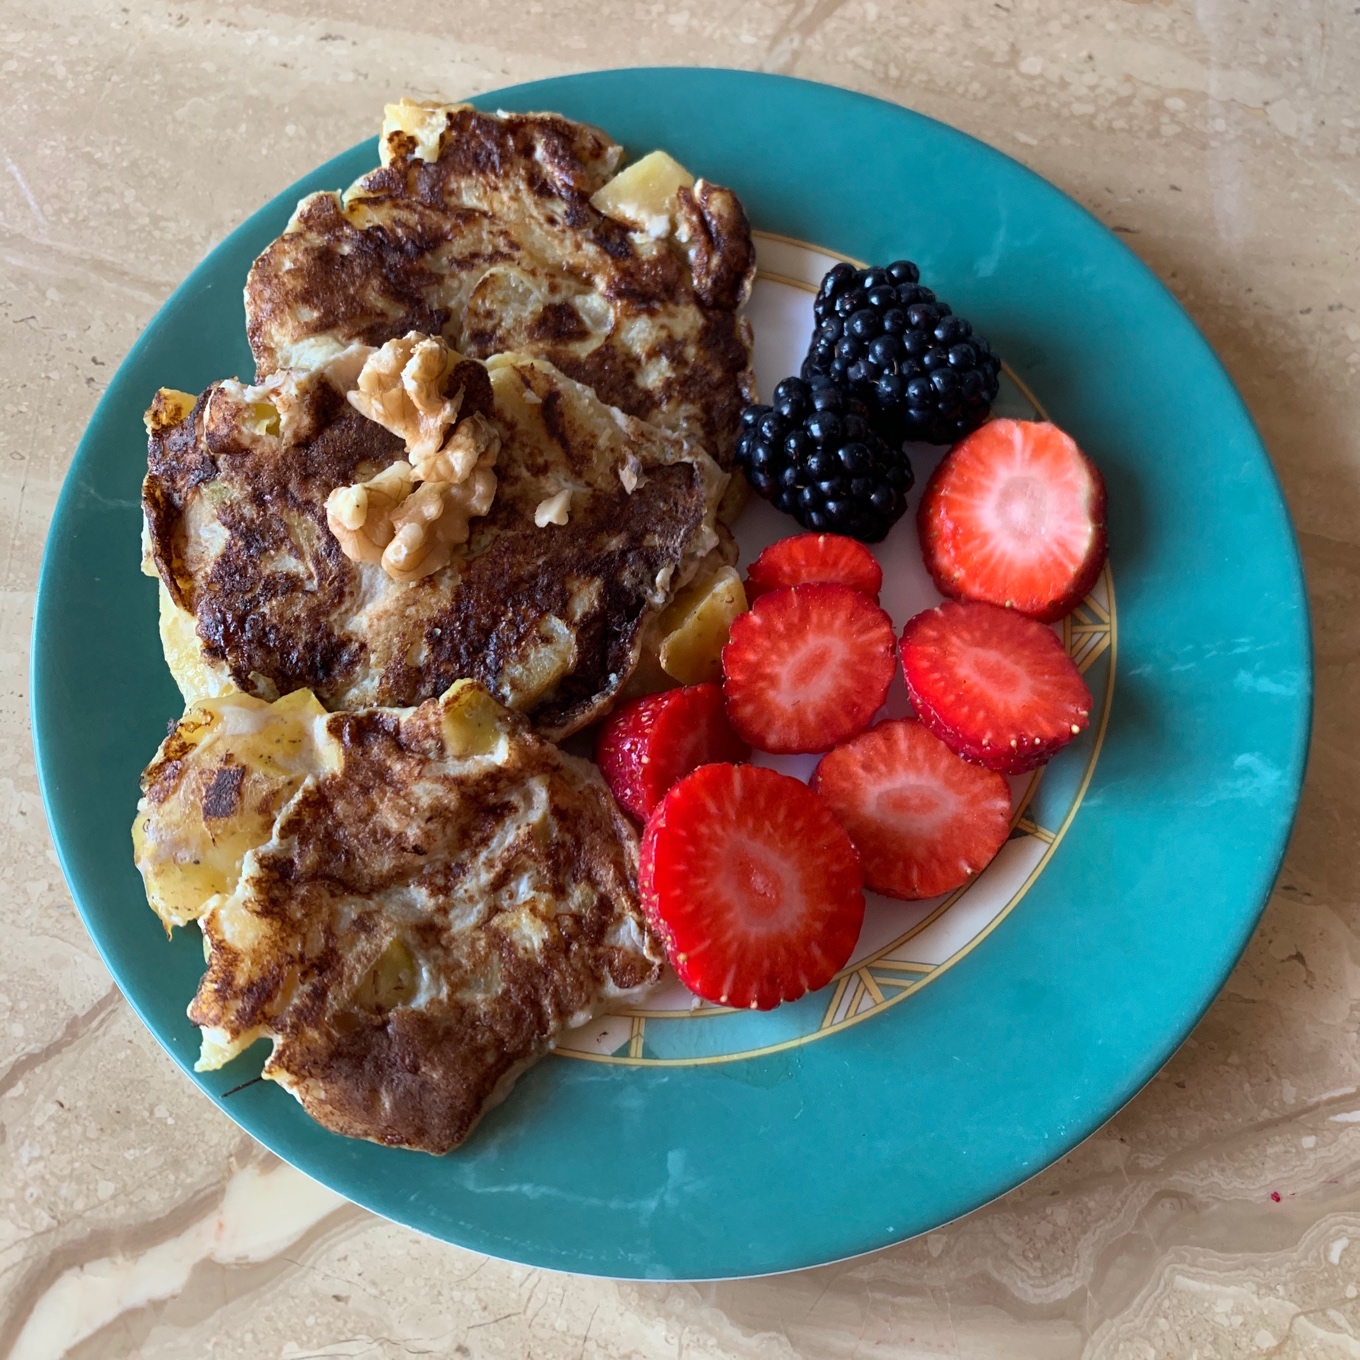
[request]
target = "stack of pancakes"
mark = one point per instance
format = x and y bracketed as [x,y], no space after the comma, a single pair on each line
[401,881]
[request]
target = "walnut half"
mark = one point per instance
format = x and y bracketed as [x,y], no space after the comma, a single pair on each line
[401,386]
[362,516]
[412,515]
[432,521]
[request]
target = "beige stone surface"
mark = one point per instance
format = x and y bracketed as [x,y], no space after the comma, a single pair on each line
[1219,1215]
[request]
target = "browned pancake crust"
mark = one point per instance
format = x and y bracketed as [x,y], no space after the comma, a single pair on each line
[277,605]
[399,823]
[412,249]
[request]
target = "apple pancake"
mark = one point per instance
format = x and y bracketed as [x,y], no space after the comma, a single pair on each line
[506,232]
[592,522]
[433,895]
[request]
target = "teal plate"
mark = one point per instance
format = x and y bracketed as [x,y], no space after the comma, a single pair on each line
[795,1152]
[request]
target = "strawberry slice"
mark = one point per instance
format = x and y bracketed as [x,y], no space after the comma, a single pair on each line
[752,886]
[646,746]
[805,558]
[807,667]
[1015,515]
[994,686]
[923,820]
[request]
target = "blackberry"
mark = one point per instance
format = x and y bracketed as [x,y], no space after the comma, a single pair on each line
[888,340]
[815,454]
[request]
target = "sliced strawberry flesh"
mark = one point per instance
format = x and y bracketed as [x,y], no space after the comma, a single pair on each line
[752,886]
[1015,515]
[923,819]
[808,558]
[995,686]
[807,667]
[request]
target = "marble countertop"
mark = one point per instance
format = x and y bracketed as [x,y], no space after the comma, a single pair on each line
[1219,1214]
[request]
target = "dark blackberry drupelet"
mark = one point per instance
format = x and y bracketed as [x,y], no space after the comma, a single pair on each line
[815,454]
[888,340]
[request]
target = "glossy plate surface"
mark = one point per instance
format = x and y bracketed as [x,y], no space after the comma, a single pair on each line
[669,1145]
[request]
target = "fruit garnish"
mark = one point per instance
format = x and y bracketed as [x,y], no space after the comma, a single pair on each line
[993,685]
[644,747]
[752,886]
[923,819]
[807,667]
[806,558]
[1015,515]
[887,339]
[814,454]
